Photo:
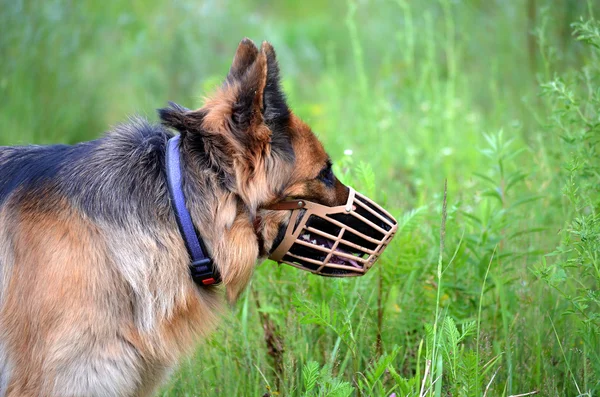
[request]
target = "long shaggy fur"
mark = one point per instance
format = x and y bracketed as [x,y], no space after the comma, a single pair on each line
[95,293]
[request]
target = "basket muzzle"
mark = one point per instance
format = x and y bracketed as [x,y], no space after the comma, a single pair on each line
[340,241]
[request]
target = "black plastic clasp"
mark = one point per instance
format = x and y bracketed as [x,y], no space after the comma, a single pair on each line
[204,272]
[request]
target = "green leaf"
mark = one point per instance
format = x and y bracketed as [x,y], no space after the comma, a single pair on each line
[366,179]
[493,193]
[310,375]
[485,178]
[410,220]
[514,179]
[526,231]
[525,200]
[376,371]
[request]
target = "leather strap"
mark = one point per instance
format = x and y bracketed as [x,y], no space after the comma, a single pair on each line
[287,205]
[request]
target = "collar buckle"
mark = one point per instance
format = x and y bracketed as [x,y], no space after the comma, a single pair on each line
[203,272]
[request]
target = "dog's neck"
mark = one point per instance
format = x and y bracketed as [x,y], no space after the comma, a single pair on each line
[222,218]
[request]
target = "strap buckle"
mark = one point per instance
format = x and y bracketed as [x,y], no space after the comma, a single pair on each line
[202,272]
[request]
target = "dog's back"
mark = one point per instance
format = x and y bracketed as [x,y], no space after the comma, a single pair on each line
[26,167]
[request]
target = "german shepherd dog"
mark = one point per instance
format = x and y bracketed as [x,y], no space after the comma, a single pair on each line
[96,297]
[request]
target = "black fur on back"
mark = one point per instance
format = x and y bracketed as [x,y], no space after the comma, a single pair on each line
[114,178]
[32,166]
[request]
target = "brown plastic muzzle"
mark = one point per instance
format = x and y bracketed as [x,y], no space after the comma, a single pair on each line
[340,241]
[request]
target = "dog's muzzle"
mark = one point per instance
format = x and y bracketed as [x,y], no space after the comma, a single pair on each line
[337,241]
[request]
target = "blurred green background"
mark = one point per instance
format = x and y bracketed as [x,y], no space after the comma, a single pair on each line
[499,98]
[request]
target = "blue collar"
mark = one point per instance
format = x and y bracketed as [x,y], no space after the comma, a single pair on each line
[202,267]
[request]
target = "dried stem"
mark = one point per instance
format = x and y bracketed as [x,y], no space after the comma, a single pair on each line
[531,393]
[378,340]
[273,340]
[427,367]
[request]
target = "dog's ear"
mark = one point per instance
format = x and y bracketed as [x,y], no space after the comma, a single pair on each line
[246,110]
[275,106]
[180,118]
[260,98]
[244,57]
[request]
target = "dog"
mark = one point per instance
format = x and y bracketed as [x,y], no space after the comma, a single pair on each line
[96,297]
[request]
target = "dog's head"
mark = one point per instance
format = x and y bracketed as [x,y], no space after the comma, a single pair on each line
[260,149]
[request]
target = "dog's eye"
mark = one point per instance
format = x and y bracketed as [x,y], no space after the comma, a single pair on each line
[326,175]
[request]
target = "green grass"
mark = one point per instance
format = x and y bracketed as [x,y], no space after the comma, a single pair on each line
[490,288]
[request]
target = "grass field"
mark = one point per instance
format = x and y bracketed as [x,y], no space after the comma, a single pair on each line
[492,289]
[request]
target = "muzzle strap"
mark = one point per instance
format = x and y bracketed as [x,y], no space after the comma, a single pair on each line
[287,205]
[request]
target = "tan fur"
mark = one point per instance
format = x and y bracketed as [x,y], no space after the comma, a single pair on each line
[51,292]
[64,295]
